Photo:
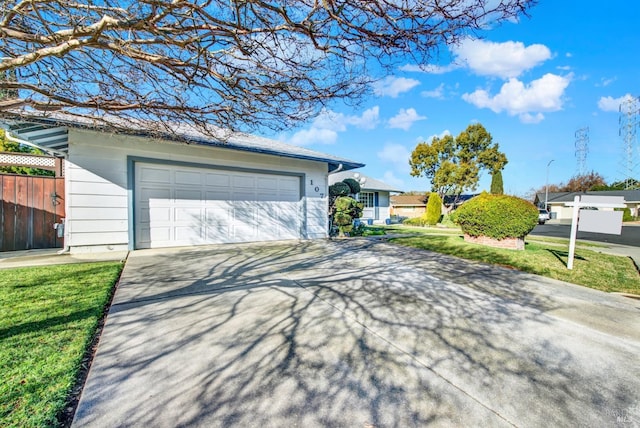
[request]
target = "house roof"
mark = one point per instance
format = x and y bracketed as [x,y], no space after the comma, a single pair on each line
[562,197]
[50,133]
[409,200]
[370,183]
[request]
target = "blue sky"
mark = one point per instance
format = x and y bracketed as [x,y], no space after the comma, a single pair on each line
[532,84]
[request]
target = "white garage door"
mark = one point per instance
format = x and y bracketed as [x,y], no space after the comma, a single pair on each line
[176,205]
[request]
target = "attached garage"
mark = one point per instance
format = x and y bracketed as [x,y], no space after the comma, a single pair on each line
[179,205]
[128,189]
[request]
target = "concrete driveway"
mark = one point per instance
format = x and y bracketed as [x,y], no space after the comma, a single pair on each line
[357,334]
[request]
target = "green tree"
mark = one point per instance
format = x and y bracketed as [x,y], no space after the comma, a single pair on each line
[497,186]
[453,164]
[434,209]
[12,147]
[238,65]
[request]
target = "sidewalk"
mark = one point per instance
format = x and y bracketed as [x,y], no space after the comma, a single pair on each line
[50,256]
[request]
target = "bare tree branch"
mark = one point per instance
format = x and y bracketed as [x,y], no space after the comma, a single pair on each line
[238,64]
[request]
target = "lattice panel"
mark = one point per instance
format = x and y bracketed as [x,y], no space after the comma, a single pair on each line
[45,162]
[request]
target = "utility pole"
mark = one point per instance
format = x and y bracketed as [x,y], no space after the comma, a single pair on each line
[546,187]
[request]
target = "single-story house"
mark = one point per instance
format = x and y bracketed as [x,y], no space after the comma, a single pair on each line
[374,195]
[409,206]
[558,210]
[134,188]
[416,205]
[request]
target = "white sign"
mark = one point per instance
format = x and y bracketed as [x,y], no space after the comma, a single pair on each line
[600,222]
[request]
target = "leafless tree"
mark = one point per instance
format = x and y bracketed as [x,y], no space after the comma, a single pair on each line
[237,64]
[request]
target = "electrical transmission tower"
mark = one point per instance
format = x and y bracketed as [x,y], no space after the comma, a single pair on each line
[582,149]
[629,119]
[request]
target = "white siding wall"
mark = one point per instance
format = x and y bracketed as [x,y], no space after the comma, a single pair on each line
[383,209]
[97,195]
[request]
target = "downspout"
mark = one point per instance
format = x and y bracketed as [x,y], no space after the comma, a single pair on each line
[338,169]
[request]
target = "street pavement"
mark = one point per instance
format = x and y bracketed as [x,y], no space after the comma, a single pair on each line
[357,333]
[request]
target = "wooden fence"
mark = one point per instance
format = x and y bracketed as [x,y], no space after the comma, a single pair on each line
[31,205]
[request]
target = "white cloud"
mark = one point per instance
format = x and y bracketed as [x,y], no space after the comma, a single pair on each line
[390,178]
[397,155]
[516,98]
[439,136]
[436,93]
[430,68]
[393,86]
[405,118]
[613,104]
[505,60]
[606,82]
[369,119]
[531,118]
[313,135]
[325,127]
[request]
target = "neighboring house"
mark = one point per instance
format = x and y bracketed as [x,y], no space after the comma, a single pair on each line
[133,189]
[416,205]
[410,206]
[374,195]
[558,210]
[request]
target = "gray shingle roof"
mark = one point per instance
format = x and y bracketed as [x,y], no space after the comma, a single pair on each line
[562,197]
[50,132]
[370,184]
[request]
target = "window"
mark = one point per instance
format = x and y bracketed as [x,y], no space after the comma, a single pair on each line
[367,199]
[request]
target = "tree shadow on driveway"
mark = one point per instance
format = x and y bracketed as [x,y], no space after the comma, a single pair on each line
[348,333]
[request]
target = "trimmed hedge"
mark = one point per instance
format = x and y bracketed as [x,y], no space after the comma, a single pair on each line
[339,189]
[497,216]
[434,209]
[415,221]
[353,185]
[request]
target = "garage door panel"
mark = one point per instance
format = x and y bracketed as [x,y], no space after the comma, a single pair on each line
[289,184]
[189,194]
[212,195]
[188,215]
[188,234]
[160,234]
[158,214]
[243,182]
[242,195]
[147,193]
[222,180]
[190,178]
[150,174]
[201,206]
[268,183]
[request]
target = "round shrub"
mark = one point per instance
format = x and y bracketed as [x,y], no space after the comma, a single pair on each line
[353,185]
[339,189]
[497,216]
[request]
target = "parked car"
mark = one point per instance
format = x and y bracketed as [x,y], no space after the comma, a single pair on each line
[543,216]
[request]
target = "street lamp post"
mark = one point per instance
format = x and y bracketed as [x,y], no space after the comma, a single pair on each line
[546,187]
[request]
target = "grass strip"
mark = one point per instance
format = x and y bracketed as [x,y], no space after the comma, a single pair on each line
[592,269]
[48,317]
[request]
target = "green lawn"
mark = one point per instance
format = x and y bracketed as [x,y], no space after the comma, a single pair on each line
[48,317]
[592,269]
